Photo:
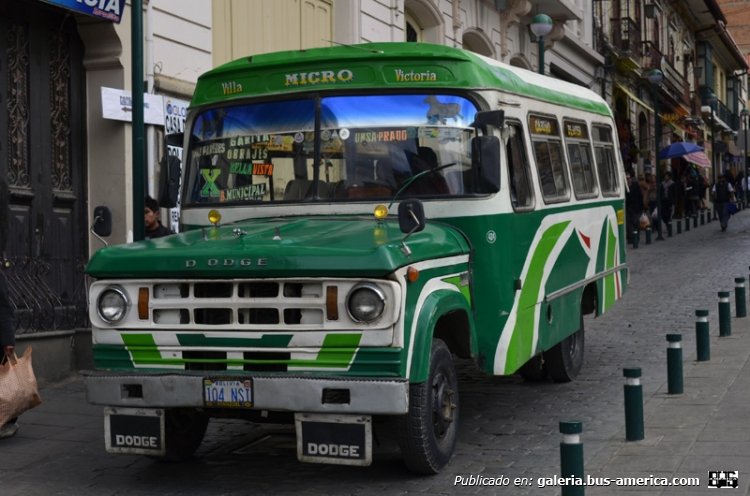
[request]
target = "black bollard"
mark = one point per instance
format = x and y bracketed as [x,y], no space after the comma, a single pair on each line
[702,341]
[687,224]
[636,238]
[648,235]
[674,363]
[633,404]
[669,229]
[725,314]
[679,226]
[739,297]
[695,220]
[571,457]
[703,217]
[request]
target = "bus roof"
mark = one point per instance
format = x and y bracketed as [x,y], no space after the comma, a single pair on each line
[383,66]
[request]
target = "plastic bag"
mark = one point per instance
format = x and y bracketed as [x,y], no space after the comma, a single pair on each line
[732,208]
[18,387]
[644,221]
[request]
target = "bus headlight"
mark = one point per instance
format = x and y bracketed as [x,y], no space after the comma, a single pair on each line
[365,303]
[112,304]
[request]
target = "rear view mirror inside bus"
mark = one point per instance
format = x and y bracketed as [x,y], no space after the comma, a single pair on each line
[485,159]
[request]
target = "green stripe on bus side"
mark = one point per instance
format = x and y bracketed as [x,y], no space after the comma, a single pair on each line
[519,348]
[610,295]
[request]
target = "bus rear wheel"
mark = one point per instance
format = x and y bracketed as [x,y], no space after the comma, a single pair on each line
[564,361]
[427,433]
[534,370]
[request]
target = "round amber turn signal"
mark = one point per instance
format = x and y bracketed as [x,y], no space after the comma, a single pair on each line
[412,274]
[380,212]
[214,217]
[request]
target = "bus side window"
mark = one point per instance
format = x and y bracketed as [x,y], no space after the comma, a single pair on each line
[606,163]
[548,154]
[521,195]
[579,153]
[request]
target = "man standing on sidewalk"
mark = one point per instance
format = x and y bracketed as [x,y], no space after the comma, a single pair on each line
[7,344]
[723,193]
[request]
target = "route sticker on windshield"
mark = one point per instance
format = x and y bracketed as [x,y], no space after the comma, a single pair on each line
[249,192]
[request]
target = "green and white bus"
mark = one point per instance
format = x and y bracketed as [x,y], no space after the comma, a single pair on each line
[352,218]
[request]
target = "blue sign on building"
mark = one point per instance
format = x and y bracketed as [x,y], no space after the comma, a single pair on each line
[103,9]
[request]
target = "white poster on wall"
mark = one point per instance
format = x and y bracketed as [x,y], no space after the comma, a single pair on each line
[175,112]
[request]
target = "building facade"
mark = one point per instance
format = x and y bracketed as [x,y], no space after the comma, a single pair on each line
[59,157]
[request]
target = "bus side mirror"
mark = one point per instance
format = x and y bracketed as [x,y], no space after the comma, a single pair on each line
[169,181]
[494,118]
[485,159]
[411,216]
[102,225]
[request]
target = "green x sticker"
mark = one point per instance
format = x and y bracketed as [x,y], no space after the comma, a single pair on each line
[210,189]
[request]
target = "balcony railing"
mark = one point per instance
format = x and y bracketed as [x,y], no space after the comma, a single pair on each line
[626,36]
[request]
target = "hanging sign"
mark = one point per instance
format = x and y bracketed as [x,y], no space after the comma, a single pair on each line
[118,105]
[110,10]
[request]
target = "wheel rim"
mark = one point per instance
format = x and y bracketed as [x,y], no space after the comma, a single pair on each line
[443,405]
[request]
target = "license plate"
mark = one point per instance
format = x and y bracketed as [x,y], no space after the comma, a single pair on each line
[228,393]
[137,431]
[335,439]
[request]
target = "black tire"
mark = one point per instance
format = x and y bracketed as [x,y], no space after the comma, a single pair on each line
[565,359]
[534,370]
[183,433]
[427,434]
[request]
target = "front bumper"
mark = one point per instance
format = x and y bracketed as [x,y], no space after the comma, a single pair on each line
[277,393]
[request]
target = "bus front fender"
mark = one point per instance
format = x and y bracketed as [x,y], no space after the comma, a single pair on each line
[436,305]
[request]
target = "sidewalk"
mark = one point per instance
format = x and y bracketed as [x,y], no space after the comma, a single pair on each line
[686,435]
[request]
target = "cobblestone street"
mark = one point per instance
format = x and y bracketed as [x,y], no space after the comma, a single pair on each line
[509,427]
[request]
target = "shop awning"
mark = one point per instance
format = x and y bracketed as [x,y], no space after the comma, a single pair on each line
[633,97]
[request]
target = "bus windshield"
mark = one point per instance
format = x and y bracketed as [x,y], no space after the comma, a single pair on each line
[363,148]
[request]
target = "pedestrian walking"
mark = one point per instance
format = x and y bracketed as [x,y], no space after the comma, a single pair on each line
[723,194]
[667,198]
[633,205]
[7,344]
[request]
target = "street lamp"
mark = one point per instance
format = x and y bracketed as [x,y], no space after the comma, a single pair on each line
[711,100]
[655,77]
[745,116]
[541,25]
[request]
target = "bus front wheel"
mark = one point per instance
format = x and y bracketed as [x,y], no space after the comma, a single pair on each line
[427,433]
[564,361]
